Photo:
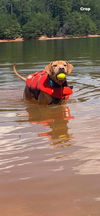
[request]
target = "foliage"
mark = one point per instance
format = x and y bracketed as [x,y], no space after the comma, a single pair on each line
[9,27]
[78,24]
[39,24]
[34,18]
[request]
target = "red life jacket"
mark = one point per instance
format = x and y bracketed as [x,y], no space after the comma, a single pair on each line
[40,81]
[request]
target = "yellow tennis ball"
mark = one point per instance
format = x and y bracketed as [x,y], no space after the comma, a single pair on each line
[61,76]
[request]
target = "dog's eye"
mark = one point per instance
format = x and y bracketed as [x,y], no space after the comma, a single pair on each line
[55,65]
[65,65]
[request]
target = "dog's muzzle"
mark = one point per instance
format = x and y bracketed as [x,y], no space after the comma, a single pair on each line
[61,70]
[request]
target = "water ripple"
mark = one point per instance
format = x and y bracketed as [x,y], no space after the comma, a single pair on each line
[31,136]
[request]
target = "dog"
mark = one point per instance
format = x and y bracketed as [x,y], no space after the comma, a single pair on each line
[45,87]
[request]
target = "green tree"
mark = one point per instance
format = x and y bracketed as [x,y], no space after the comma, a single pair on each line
[9,27]
[23,10]
[58,9]
[40,24]
[78,24]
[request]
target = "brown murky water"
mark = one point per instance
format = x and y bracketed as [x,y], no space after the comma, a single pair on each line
[50,155]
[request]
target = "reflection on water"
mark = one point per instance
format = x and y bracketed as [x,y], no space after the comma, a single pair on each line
[49,155]
[34,129]
[55,118]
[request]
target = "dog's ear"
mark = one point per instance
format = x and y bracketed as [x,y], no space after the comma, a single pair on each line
[69,68]
[48,68]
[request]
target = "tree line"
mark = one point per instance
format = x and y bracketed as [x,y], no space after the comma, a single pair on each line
[33,18]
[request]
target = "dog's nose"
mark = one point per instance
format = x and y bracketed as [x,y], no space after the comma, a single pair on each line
[61,70]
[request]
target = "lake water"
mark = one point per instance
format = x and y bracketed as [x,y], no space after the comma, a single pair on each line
[50,155]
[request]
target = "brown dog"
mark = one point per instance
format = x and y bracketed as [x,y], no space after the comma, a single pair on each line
[48,88]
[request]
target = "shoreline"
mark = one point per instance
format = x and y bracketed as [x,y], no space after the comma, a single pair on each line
[12,40]
[42,38]
[67,37]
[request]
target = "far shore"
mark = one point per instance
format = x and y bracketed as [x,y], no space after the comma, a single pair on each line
[12,40]
[67,37]
[20,39]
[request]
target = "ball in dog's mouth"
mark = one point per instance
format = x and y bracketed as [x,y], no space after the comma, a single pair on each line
[61,76]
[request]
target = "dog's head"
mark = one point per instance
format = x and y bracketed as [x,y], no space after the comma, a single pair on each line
[57,67]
